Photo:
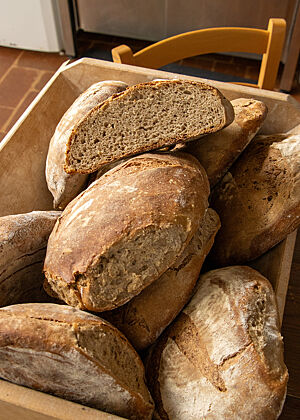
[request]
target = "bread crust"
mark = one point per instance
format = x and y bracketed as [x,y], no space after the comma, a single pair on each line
[145,316]
[223,356]
[150,87]
[218,151]
[258,201]
[64,187]
[23,242]
[150,205]
[51,348]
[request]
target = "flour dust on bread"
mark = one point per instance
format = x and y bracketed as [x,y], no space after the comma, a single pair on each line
[74,355]
[145,316]
[218,151]
[64,187]
[222,358]
[23,242]
[145,117]
[123,232]
[258,201]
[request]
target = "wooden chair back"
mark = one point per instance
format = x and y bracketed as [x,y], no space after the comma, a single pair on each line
[267,42]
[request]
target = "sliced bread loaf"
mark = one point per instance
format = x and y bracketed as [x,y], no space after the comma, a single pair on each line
[126,230]
[145,117]
[145,316]
[64,187]
[74,355]
[222,358]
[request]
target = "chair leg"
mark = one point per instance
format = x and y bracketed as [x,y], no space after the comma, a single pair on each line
[122,54]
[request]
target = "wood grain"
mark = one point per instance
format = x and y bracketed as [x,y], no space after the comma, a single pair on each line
[291,325]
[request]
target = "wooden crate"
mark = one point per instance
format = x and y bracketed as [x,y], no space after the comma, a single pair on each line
[23,189]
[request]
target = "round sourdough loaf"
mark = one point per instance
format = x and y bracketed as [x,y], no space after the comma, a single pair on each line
[145,117]
[218,151]
[145,316]
[65,187]
[23,242]
[74,355]
[125,230]
[223,356]
[258,201]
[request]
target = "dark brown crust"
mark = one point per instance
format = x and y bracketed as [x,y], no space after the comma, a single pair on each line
[258,201]
[62,186]
[253,359]
[228,118]
[170,191]
[218,151]
[144,317]
[54,330]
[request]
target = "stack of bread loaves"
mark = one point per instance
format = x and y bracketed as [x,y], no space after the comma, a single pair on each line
[129,247]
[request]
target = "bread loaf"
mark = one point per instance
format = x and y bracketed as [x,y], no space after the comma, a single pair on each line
[223,356]
[145,316]
[125,230]
[65,187]
[259,200]
[145,117]
[218,151]
[74,355]
[23,241]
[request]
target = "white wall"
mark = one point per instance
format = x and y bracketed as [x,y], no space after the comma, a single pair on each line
[30,24]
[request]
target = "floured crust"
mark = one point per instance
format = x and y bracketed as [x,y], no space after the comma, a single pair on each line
[72,354]
[101,252]
[144,317]
[65,187]
[23,242]
[218,151]
[258,201]
[134,93]
[223,356]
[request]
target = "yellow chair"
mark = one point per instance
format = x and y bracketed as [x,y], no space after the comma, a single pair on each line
[268,42]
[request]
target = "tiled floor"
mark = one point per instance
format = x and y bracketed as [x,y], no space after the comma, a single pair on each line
[24,73]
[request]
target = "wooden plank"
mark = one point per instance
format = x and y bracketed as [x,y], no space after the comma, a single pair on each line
[291,325]
[275,265]
[20,403]
[291,409]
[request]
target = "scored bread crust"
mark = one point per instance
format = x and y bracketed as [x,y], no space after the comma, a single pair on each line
[258,201]
[75,355]
[23,242]
[88,129]
[218,151]
[64,187]
[125,230]
[145,316]
[223,356]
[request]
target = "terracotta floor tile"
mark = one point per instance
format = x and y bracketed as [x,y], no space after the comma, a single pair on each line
[251,72]
[41,60]
[7,58]
[229,68]
[15,85]
[242,61]
[5,114]
[204,62]
[44,78]
[224,58]
[21,108]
